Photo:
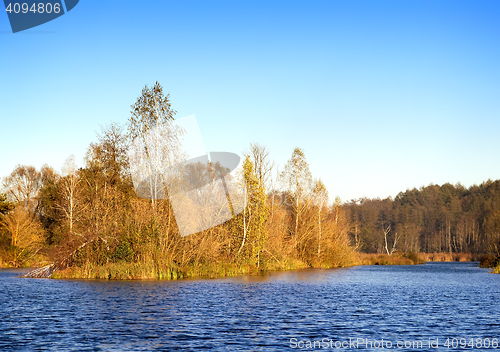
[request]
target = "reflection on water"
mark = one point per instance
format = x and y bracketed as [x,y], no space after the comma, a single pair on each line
[407,303]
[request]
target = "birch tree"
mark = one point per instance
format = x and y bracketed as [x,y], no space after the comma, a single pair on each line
[297,179]
[320,195]
[254,214]
[70,192]
[396,238]
[155,141]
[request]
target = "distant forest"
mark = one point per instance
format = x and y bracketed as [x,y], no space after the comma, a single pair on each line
[447,218]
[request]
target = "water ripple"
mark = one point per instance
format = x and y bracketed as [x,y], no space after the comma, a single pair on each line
[400,303]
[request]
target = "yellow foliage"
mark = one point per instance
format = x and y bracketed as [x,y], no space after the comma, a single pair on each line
[25,234]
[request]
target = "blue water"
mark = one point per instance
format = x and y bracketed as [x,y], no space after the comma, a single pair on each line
[281,311]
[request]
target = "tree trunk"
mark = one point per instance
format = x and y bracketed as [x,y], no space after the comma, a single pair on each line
[319,226]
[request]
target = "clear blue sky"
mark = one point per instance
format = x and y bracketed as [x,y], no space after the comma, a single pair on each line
[381,95]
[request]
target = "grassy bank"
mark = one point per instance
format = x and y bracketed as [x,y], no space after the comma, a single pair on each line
[165,271]
[148,271]
[410,258]
[416,258]
[169,271]
[451,257]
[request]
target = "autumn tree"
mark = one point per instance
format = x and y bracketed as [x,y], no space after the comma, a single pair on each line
[25,233]
[262,163]
[109,155]
[69,188]
[103,183]
[154,141]
[320,197]
[297,179]
[22,186]
[49,213]
[254,215]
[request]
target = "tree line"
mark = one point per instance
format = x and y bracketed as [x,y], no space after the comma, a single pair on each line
[432,219]
[89,218]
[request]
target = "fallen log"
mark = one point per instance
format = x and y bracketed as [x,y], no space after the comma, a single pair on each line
[44,272]
[47,271]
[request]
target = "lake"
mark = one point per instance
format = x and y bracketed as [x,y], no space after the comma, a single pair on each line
[412,308]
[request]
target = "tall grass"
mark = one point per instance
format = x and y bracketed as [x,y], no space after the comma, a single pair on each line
[409,258]
[450,257]
[150,269]
[142,271]
[398,258]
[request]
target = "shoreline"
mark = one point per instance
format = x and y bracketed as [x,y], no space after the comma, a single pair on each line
[165,271]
